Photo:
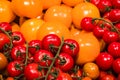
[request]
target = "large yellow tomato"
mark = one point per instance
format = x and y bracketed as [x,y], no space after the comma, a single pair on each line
[29,28]
[27,8]
[82,10]
[59,13]
[89,47]
[6,14]
[53,28]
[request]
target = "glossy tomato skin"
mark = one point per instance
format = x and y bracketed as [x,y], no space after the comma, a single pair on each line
[4,40]
[43,57]
[108,77]
[18,53]
[65,62]
[18,38]
[116,65]
[51,42]
[71,47]
[34,46]
[114,49]
[95,2]
[13,69]
[32,71]
[116,3]
[104,61]
[5,26]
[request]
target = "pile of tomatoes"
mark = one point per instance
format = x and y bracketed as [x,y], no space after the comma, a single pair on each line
[59,40]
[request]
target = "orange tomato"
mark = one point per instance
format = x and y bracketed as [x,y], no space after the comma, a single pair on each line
[6,14]
[53,28]
[60,13]
[72,2]
[86,78]
[91,70]
[27,8]
[10,78]
[50,3]
[15,27]
[89,47]
[82,10]
[29,28]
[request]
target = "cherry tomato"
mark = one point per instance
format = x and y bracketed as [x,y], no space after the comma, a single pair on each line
[18,53]
[4,41]
[116,3]
[116,65]
[34,46]
[3,61]
[65,62]
[5,26]
[14,68]
[43,57]
[114,49]
[18,38]
[71,47]
[108,77]
[51,42]
[104,60]
[32,71]
[95,2]
[102,74]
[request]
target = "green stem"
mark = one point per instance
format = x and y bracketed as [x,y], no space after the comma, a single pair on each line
[58,52]
[26,59]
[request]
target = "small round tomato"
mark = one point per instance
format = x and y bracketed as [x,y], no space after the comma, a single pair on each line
[116,3]
[32,71]
[65,62]
[43,57]
[51,42]
[104,60]
[5,26]
[71,47]
[3,61]
[116,65]
[108,77]
[14,68]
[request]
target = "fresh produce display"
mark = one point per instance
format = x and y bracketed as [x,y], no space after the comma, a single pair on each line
[59,40]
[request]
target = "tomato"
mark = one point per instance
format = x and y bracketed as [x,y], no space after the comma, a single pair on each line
[85,9]
[14,68]
[15,27]
[65,62]
[6,13]
[34,46]
[30,27]
[116,3]
[18,38]
[116,65]
[18,53]
[53,28]
[43,57]
[32,71]
[27,8]
[108,77]
[5,26]
[95,2]
[59,13]
[3,61]
[104,60]
[51,42]
[10,78]
[102,74]
[4,41]
[71,47]
[89,47]
[91,70]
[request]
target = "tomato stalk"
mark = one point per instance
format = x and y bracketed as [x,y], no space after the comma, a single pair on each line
[53,61]
[26,59]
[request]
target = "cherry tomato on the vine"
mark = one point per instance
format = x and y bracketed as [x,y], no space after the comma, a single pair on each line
[116,65]
[5,26]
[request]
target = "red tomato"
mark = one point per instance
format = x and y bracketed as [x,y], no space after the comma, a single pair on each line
[108,77]
[116,65]
[5,26]
[104,61]
[65,62]
[43,57]
[116,3]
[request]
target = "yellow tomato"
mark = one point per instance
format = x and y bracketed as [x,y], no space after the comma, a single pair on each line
[60,13]
[49,3]
[29,28]
[6,14]
[15,27]
[27,8]
[91,70]
[53,28]
[89,47]
[82,10]
[72,2]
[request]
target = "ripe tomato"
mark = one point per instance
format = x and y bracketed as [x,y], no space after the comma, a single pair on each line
[5,26]
[29,28]
[27,8]
[82,10]
[3,61]
[108,77]
[91,70]
[10,78]
[59,13]
[116,65]
[6,14]
[116,3]
[53,28]
[15,27]
[89,47]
